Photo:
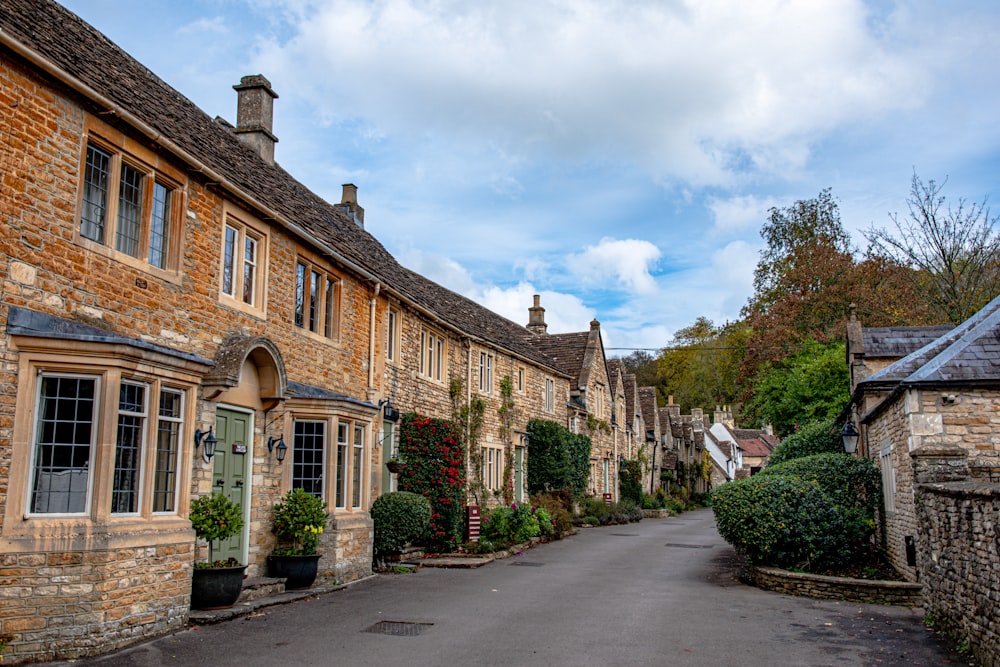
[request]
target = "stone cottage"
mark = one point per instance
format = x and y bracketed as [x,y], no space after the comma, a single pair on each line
[944,394]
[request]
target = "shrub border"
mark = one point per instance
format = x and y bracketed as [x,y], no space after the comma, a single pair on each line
[822,587]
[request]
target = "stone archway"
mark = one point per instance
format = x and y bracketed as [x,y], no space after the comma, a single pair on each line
[234,352]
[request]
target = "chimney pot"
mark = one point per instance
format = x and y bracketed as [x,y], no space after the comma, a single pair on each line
[349,204]
[536,317]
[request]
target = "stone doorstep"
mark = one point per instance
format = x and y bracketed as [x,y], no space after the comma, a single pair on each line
[256,588]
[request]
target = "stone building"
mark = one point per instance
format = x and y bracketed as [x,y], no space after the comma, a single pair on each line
[944,394]
[167,285]
[580,355]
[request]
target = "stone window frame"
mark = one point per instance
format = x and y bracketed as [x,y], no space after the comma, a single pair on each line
[244,226]
[433,353]
[299,481]
[549,396]
[327,324]
[493,467]
[338,482]
[110,365]
[123,152]
[520,379]
[888,469]
[487,362]
[393,329]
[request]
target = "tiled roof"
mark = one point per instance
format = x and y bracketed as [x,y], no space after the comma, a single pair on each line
[647,401]
[76,48]
[968,353]
[565,350]
[897,342]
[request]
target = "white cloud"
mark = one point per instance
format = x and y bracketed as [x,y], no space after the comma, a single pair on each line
[740,212]
[564,313]
[626,262]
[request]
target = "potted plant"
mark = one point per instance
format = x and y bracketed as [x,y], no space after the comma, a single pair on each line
[395,465]
[216,584]
[298,520]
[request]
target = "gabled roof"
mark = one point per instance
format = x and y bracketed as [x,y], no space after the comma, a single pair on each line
[647,402]
[565,350]
[112,81]
[966,354]
[897,342]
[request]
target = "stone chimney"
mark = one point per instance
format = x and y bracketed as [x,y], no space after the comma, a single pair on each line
[724,415]
[255,114]
[536,317]
[349,204]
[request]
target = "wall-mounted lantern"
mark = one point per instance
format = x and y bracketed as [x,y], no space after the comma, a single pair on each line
[209,442]
[279,445]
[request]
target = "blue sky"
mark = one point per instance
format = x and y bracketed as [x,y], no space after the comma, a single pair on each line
[616,157]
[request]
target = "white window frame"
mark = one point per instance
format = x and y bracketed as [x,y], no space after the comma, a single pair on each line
[432,352]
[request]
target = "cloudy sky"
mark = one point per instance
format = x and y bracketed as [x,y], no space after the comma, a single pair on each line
[616,157]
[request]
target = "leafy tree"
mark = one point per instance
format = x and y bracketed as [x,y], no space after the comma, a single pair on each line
[812,384]
[701,369]
[954,251]
[643,365]
[629,482]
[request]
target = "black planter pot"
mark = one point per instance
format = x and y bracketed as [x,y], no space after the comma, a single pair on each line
[297,571]
[216,587]
[395,467]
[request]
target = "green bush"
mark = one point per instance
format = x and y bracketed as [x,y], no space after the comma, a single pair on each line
[215,517]
[400,517]
[505,526]
[784,521]
[558,510]
[560,459]
[820,437]
[629,483]
[607,515]
[298,519]
[853,485]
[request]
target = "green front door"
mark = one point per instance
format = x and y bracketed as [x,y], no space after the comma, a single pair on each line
[519,474]
[230,473]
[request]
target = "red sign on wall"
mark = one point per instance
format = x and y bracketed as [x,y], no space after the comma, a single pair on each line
[474,523]
[607,499]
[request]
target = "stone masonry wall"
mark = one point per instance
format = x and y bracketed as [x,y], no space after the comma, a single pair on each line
[959,552]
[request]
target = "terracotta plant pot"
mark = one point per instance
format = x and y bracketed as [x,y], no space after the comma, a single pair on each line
[297,571]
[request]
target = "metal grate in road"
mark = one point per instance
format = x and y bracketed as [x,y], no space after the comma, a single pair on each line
[398,628]
[688,546]
[624,534]
[527,563]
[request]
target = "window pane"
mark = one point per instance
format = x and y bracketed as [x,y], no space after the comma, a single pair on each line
[64,435]
[356,460]
[128,448]
[300,295]
[390,348]
[341,460]
[229,257]
[330,327]
[167,447]
[249,269]
[95,194]
[159,227]
[314,296]
[129,211]
[307,456]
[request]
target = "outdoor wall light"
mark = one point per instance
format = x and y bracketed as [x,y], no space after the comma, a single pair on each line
[850,436]
[389,413]
[279,444]
[208,439]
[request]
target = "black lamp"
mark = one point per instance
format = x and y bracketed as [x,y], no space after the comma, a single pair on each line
[279,444]
[389,413]
[208,439]
[850,436]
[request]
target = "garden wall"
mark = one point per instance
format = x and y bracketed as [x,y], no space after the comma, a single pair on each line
[957,550]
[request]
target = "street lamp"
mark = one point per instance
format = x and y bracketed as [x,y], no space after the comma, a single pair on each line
[850,436]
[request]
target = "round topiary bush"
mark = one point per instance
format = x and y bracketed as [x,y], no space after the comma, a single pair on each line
[781,521]
[822,437]
[400,517]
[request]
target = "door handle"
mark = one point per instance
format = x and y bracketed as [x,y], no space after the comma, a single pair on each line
[238,484]
[220,482]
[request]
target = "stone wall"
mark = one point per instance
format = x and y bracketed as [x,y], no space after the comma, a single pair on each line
[836,588]
[958,550]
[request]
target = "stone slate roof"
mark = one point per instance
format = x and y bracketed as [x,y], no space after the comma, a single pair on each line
[566,350]
[79,50]
[647,402]
[967,354]
[897,342]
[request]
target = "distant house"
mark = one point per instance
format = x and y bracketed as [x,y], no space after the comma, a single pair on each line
[945,393]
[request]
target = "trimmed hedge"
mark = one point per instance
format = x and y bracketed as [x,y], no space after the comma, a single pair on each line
[781,521]
[821,437]
[560,459]
[400,517]
[853,485]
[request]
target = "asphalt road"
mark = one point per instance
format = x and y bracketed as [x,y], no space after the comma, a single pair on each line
[659,592]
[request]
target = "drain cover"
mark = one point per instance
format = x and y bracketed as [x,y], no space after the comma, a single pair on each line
[398,628]
[527,563]
[689,546]
[624,534]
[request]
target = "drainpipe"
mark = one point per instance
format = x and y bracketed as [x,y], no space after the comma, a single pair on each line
[371,340]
